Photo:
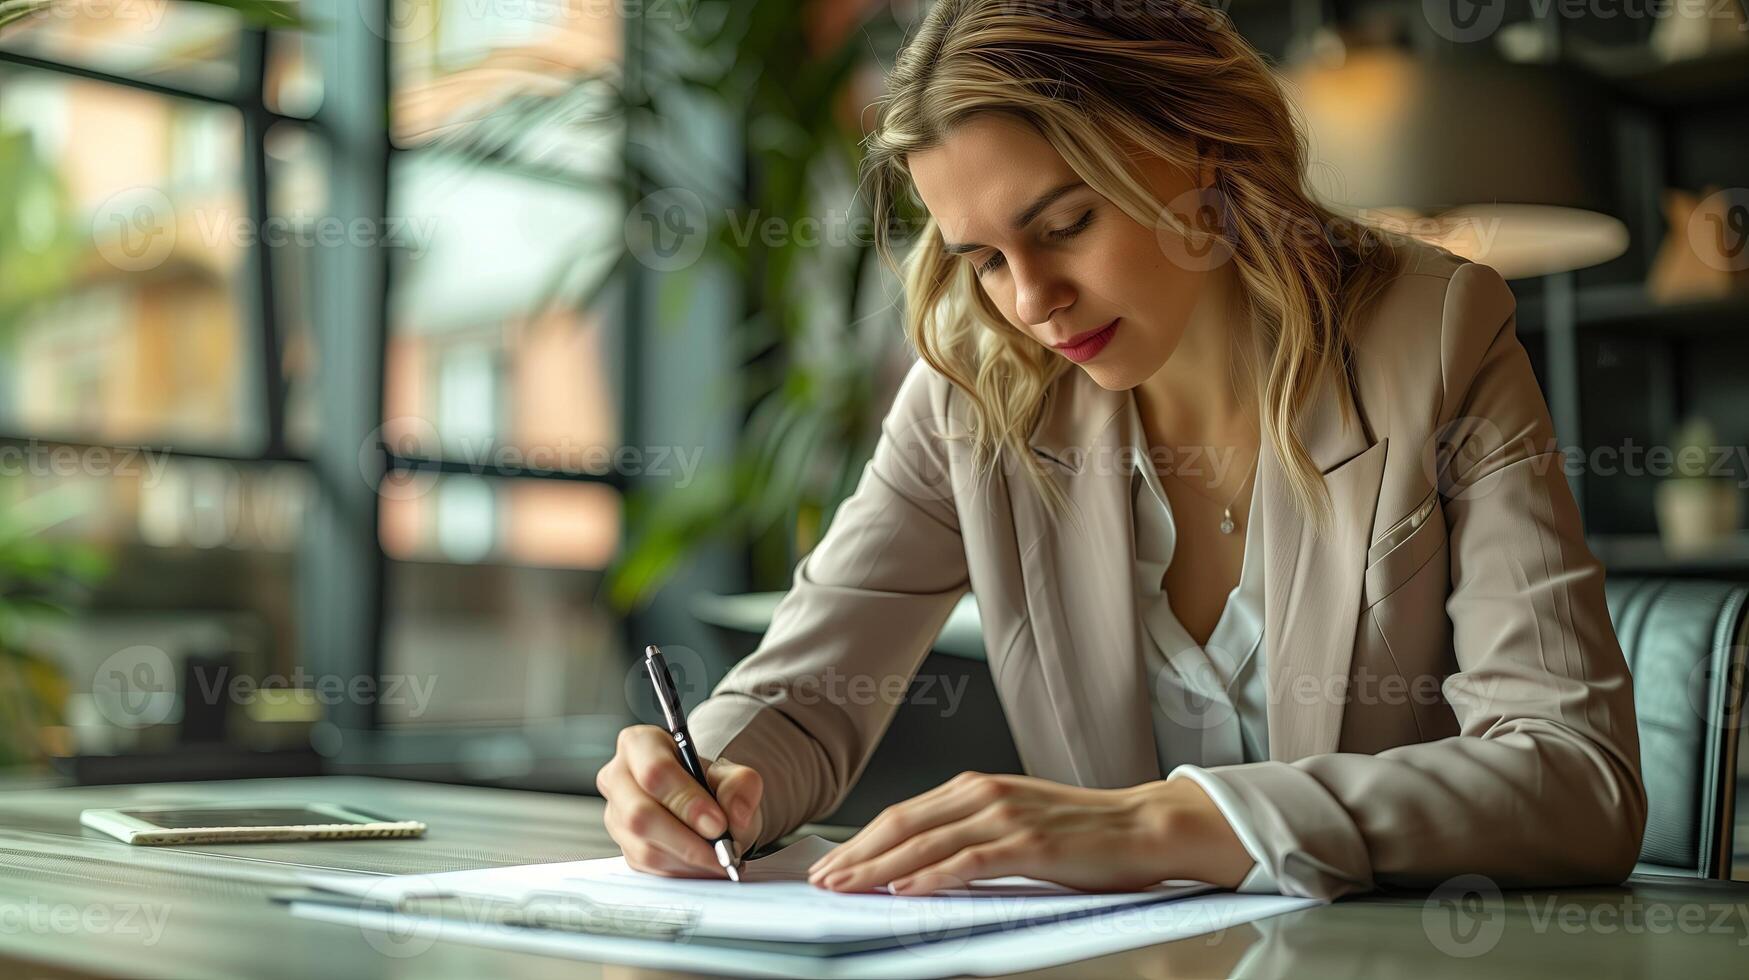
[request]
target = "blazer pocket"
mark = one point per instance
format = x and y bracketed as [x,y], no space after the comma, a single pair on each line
[1401,551]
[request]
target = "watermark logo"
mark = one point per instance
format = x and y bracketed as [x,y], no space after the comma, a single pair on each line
[135,229]
[405,436]
[691,681]
[298,228]
[1193,696]
[400,21]
[135,687]
[144,922]
[1465,916]
[1464,21]
[393,932]
[1719,700]
[393,458]
[1718,230]
[413,21]
[1467,21]
[934,922]
[38,459]
[831,686]
[1193,230]
[148,14]
[667,231]
[302,687]
[1453,455]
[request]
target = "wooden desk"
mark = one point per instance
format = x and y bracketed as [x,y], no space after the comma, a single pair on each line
[74,903]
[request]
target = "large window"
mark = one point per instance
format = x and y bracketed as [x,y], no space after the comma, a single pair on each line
[502,360]
[195,213]
[137,313]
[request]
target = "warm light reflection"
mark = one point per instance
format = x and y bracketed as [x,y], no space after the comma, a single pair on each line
[1518,240]
[529,523]
[1389,140]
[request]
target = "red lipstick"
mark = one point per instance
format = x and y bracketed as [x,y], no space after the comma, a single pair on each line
[1086,346]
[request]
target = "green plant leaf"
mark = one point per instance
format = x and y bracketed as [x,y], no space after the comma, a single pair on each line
[257,13]
[808,420]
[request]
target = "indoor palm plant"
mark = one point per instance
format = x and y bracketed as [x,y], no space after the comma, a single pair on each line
[814,330]
[793,78]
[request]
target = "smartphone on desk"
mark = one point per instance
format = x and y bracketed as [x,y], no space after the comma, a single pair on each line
[243,823]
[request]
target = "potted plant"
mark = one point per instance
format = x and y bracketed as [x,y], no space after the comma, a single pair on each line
[1697,511]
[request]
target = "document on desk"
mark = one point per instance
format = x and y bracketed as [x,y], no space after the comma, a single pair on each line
[774,923]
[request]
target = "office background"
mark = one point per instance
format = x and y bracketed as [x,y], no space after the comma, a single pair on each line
[376,378]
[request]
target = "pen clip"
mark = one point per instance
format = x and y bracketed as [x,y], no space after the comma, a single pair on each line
[667,696]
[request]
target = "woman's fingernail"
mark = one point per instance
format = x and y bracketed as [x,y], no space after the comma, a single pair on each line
[898,887]
[708,822]
[837,880]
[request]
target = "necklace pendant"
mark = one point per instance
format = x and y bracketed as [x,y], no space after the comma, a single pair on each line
[1227,521]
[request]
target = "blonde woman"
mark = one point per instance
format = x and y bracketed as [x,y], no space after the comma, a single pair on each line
[1279,575]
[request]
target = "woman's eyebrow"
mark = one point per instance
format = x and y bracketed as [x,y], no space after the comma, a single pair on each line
[1022,218]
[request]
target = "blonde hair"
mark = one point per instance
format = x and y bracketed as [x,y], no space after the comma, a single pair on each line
[1170,78]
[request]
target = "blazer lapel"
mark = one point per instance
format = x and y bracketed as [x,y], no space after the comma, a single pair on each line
[1080,588]
[1312,585]
[1080,585]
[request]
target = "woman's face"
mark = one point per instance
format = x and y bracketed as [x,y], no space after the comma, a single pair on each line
[1059,260]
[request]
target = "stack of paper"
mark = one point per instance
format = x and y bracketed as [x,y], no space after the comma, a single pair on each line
[772,923]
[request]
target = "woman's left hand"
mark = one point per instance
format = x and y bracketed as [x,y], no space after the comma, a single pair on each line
[984,826]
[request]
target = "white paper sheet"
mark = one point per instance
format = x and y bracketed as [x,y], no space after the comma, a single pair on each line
[989,954]
[773,902]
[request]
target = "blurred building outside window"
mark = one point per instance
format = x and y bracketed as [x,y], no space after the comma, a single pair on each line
[128,324]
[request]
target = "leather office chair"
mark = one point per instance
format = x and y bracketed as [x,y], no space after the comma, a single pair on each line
[1684,640]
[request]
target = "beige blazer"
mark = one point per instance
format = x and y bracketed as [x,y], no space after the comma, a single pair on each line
[1446,691]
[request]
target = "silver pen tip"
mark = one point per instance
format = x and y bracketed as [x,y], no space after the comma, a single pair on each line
[726,858]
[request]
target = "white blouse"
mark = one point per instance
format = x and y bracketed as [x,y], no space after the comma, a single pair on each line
[1209,703]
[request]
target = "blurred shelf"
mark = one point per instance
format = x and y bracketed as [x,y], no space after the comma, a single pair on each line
[189,763]
[1642,76]
[1641,553]
[1628,305]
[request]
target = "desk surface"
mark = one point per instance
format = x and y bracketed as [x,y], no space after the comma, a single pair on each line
[74,903]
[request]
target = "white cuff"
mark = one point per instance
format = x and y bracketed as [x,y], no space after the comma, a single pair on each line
[1259,880]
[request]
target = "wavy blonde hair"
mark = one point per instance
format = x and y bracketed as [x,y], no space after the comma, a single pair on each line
[1171,78]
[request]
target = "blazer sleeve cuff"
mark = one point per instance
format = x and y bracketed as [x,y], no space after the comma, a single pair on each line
[748,731]
[1292,826]
[1260,880]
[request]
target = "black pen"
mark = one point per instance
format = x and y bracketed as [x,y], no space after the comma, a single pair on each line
[674,716]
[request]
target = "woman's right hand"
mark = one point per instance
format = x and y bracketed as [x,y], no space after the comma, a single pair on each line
[659,815]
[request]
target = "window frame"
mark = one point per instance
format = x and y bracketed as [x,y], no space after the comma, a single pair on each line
[340,587]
